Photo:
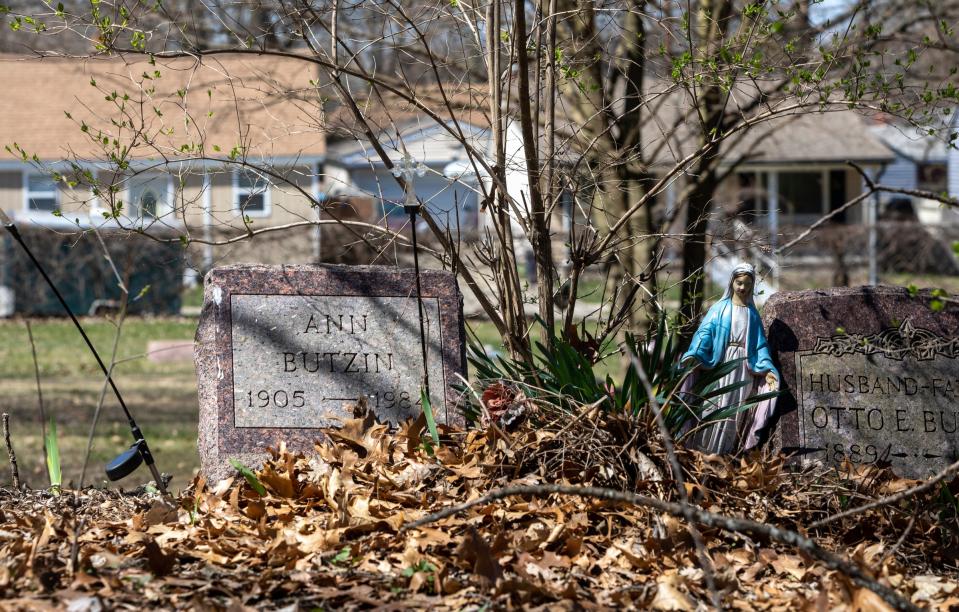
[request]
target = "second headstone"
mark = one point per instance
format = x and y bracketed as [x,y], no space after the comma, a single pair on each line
[869,374]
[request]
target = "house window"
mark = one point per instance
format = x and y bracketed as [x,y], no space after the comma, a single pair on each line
[149,195]
[752,195]
[251,194]
[932,177]
[837,194]
[801,193]
[41,191]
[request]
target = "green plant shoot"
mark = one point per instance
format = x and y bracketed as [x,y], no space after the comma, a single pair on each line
[428,413]
[250,477]
[53,457]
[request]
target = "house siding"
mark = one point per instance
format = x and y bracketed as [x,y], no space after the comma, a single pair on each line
[71,199]
[854,188]
[287,205]
[440,194]
[900,174]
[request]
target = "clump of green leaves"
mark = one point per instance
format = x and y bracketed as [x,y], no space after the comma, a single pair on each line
[422,567]
[565,375]
[343,558]
[938,297]
[430,418]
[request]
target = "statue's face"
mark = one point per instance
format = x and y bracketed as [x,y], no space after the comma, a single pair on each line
[743,287]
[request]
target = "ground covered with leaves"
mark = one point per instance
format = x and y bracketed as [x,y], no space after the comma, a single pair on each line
[351,527]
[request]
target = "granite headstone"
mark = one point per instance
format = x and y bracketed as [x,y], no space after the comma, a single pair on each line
[282,351]
[869,374]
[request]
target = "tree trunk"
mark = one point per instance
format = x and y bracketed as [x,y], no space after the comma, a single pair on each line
[635,252]
[694,250]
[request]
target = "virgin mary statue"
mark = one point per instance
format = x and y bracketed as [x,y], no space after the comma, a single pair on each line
[733,330]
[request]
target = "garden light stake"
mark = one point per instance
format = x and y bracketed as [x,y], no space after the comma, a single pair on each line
[139,452]
[411,211]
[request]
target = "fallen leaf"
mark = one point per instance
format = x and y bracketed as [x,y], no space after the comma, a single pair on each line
[668,596]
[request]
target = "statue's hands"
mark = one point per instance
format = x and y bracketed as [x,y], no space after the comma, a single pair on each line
[771,381]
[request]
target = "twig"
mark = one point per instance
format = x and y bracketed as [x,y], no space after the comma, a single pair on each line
[824,219]
[885,501]
[916,193]
[708,519]
[121,318]
[704,560]
[14,472]
[75,546]
[871,188]
[902,538]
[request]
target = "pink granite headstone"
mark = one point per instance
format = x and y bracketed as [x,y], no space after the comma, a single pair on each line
[869,373]
[282,351]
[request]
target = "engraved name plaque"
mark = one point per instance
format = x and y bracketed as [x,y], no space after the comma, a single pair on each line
[891,396]
[282,351]
[301,361]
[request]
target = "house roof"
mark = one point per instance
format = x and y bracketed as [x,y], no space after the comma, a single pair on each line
[835,135]
[265,105]
[670,131]
[910,143]
[386,110]
[424,139]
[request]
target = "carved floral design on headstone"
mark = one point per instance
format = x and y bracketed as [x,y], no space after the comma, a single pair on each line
[895,343]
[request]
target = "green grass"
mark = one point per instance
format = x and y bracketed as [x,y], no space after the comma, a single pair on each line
[161,396]
[193,297]
[591,287]
[928,281]
[61,351]
[485,332]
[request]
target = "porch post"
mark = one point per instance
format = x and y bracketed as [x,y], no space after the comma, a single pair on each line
[670,198]
[872,214]
[207,200]
[772,198]
[317,235]
[952,166]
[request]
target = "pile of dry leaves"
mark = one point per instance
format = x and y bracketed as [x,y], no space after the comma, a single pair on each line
[332,530]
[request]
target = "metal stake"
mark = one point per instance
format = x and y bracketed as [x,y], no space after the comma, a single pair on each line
[412,209]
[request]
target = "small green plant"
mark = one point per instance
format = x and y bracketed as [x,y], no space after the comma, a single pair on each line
[344,557]
[425,567]
[430,419]
[250,477]
[947,505]
[53,457]
[195,510]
